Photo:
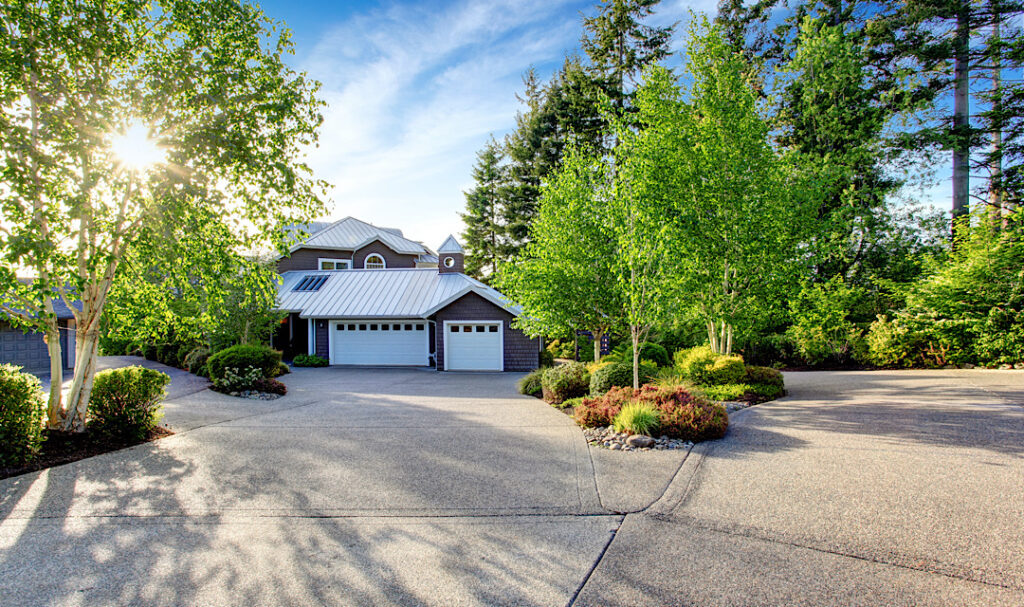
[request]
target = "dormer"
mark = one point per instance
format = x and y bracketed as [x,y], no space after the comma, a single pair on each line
[451,257]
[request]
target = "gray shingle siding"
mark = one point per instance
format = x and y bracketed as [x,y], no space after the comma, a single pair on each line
[391,259]
[322,334]
[308,259]
[521,352]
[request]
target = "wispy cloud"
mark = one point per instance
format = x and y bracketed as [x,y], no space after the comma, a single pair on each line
[415,90]
[413,93]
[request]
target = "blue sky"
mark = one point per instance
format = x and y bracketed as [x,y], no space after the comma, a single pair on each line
[414,89]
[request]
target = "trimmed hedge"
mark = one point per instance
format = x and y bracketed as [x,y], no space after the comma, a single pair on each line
[764,375]
[702,366]
[264,358]
[126,402]
[619,374]
[564,382]
[22,411]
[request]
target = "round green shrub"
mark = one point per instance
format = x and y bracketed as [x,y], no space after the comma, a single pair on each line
[765,376]
[281,369]
[530,385]
[564,382]
[309,360]
[619,374]
[693,363]
[22,411]
[264,358]
[125,402]
[726,370]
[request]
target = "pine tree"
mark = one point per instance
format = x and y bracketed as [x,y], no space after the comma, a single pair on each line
[484,237]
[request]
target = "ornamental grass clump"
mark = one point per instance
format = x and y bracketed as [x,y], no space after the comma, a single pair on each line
[22,409]
[637,417]
[530,385]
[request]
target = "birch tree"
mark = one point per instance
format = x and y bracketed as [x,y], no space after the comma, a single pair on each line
[118,114]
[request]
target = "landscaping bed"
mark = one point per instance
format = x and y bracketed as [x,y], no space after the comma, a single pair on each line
[679,403]
[65,447]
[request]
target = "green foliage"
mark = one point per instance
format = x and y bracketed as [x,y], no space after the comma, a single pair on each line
[725,370]
[564,382]
[195,360]
[617,375]
[263,358]
[545,358]
[238,379]
[681,414]
[22,412]
[637,418]
[484,237]
[969,309]
[207,82]
[569,402]
[309,360]
[821,330]
[115,345]
[653,353]
[702,366]
[281,369]
[764,375]
[125,402]
[561,349]
[724,392]
[530,384]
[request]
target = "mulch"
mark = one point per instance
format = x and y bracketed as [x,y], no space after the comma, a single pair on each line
[66,447]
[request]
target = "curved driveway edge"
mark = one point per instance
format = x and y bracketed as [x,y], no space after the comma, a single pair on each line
[860,488]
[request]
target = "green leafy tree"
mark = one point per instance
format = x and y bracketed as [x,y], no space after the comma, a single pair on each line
[561,279]
[195,91]
[742,212]
[484,236]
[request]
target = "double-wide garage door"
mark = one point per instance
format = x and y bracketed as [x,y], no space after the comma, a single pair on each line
[473,346]
[404,343]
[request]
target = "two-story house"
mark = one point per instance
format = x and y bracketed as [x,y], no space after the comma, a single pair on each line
[357,294]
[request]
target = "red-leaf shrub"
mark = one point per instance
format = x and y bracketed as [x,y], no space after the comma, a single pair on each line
[682,415]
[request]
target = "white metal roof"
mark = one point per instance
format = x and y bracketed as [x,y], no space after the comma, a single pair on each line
[394,293]
[350,234]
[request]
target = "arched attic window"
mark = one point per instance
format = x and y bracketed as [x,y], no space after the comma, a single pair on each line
[374,261]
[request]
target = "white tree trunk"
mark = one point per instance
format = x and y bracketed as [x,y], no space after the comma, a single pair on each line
[634,332]
[81,384]
[55,406]
[597,344]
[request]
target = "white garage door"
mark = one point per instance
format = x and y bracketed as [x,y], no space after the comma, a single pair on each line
[473,346]
[380,343]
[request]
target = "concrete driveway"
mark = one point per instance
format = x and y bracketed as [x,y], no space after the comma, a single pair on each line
[860,488]
[359,487]
[412,487]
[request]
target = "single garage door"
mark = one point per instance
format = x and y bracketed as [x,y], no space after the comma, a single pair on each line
[27,350]
[398,343]
[473,346]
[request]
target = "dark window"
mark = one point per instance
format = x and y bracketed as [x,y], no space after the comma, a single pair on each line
[396,327]
[480,328]
[419,327]
[493,328]
[385,327]
[340,327]
[373,327]
[408,327]
[351,327]
[311,282]
[455,328]
[362,327]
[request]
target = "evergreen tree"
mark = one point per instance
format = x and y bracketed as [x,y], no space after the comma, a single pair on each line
[484,237]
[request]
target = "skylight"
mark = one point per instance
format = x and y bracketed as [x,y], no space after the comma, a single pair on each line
[311,282]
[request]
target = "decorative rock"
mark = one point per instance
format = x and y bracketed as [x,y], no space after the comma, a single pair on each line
[1005,367]
[1018,366]
[967,366]
[639,440]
